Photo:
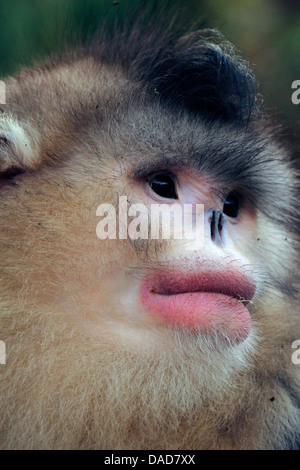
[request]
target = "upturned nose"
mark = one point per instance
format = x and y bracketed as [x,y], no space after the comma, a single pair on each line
[216,220]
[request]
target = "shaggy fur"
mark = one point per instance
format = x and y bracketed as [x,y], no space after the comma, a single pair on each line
[82,370]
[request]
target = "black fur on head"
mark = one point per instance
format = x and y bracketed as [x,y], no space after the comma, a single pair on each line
[199,71]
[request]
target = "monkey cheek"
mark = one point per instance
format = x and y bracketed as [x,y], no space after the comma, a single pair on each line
[201,312]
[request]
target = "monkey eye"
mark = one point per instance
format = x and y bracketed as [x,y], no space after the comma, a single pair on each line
[163,184]
[232,205]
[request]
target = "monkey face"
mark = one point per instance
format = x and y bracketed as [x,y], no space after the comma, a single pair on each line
[163,286]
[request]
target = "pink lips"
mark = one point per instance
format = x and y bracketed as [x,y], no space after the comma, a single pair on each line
[210,301]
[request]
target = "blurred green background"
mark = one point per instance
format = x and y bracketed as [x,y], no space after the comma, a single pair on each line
[267,32]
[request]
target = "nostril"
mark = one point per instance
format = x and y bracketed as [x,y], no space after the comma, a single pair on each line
[212,220]
[220,222]
[216,220]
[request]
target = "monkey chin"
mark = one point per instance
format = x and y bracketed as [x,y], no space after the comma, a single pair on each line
[209,303]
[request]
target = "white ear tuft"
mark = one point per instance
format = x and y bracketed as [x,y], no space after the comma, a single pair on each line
[18,149]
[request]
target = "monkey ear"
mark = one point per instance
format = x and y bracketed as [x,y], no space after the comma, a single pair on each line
[18,146]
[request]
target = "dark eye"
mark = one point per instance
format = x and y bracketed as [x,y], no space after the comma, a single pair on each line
[163,184]
[232,205]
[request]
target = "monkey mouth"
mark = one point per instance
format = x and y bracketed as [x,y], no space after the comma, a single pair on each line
[207,302]
[231,283]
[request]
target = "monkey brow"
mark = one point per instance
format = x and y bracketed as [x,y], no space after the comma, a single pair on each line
[161,163]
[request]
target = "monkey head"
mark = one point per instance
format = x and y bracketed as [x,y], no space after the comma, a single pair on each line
[135,342]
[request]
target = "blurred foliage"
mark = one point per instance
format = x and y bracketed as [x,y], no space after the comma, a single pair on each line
[266,31]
